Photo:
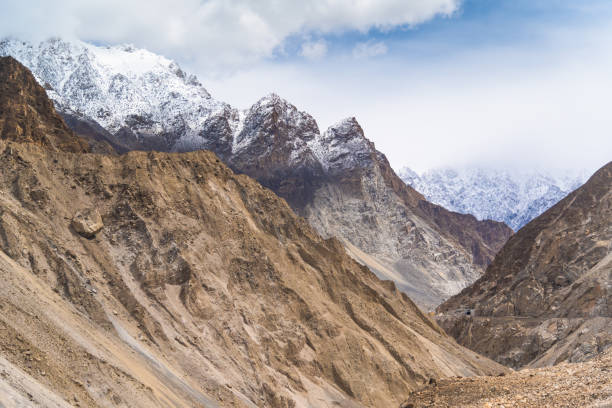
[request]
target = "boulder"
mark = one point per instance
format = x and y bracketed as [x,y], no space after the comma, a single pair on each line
[87,223]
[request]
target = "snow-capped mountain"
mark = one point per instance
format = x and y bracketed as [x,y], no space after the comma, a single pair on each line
[120,87]
[336,179]
[513,197]
[135,94]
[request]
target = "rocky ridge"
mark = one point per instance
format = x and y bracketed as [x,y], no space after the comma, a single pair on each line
[546,297]
[198,288]
[26,114]
[134,99]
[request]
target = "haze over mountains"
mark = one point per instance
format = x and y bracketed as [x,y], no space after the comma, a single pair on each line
[336,179]
[514,197]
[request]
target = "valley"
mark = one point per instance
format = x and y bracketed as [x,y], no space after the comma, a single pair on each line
[336,179]
[162,248]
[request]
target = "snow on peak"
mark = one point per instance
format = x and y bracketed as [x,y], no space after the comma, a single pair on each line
[283,110]
[408,175]
[514,197]
[347,128]
[113,84]
[344,146]
[122,87]
[272,99]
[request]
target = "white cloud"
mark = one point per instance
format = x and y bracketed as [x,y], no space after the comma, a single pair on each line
[314,49]
[210,33]
[369,49]
[536,104]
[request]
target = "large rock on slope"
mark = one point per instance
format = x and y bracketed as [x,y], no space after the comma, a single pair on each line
[203,289]
[336,179]
[87,222]
[547,296]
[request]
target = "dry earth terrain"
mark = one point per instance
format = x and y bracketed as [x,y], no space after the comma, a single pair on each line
[567,385]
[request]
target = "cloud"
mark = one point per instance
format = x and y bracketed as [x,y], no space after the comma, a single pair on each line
[369,49]
[314,49]
[517,84]
[212,33]
[541,103]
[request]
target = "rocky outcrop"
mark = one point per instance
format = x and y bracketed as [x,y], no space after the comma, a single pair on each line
[351,192]
[203,289]
[27,115]
[546,297]
[566,385]
[345,188]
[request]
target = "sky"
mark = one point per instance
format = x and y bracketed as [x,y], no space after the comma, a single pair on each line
[434,83]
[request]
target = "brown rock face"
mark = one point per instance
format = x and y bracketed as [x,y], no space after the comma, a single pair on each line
[346,189]
[429,252]
[203,289]
[546,297]
[206,274]
[483,239]
[27,115]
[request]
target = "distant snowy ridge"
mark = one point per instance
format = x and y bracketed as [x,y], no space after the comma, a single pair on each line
[112,84]
[514,197]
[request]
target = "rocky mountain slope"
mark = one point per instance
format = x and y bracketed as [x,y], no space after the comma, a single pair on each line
[165,279]
[345,188]
[509,196]
[26,114]
[547,296]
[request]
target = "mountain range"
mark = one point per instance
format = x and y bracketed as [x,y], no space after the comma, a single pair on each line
[514,197]
[336,179]
[154,279]
[161,248]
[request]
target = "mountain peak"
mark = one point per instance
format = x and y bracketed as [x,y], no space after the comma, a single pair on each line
[274,102]
[346,146]
[271,98]
[346,128]
[120,87]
